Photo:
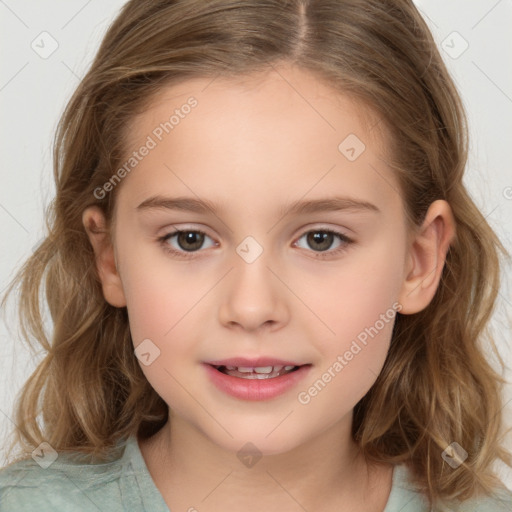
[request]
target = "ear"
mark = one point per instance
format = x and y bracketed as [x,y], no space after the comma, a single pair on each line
[426,258]
[95,225]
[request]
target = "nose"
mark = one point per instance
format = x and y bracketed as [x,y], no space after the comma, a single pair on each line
[253,298]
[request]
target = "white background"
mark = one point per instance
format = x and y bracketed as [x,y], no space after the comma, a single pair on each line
[34,90]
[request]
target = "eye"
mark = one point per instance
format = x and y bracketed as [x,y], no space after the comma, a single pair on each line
[321,240]
[185,241]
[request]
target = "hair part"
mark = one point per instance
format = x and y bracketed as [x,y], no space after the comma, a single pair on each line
[436,385]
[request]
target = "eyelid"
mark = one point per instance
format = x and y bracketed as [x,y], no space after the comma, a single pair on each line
[174,229]
[325,226]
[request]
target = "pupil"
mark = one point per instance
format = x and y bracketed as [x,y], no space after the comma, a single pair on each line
[190,238]
[320,237]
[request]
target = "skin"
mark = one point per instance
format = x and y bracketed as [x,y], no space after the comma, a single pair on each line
[252,147]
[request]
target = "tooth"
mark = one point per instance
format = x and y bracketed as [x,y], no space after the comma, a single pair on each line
[287,368]
[244,369]
[263,369]
[230,367]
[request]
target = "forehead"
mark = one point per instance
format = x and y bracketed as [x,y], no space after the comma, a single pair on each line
[295,92]
[279,132]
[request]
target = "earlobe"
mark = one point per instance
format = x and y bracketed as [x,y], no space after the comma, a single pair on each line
[95,225]
[427,257]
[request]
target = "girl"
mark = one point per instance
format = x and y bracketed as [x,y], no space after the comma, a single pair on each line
[267,281]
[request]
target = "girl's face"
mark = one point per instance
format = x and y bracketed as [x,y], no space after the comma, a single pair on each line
[265,169]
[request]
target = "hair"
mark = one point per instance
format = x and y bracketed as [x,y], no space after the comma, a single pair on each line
[436,386]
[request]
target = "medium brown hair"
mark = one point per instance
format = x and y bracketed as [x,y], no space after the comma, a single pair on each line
[436,386]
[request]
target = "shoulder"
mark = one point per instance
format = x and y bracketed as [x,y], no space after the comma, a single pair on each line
[64,485]
[499,501]
[406,497]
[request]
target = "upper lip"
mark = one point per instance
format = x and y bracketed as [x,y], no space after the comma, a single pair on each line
[253,363]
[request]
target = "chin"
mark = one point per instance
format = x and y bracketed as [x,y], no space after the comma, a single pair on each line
[260,437]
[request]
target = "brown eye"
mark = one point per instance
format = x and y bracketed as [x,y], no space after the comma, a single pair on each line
[320,240]
[184,242]
[190,240]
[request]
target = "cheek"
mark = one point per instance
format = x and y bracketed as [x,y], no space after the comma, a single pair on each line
[159,294]
[359,306]
[351,360]
[152,307]
[163,302]
[161,305]
[354,296]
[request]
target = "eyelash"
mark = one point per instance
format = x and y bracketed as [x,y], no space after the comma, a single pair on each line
[345,240]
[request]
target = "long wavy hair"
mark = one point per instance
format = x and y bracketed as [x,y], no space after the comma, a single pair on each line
[436,387]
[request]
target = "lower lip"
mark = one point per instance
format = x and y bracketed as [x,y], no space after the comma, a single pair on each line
[256,389]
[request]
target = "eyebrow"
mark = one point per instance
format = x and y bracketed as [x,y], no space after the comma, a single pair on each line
[204,206]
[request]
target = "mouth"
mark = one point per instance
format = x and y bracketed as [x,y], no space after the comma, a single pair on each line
[255,379]
[256,372]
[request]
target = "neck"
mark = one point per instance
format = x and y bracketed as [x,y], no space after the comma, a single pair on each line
[192,471]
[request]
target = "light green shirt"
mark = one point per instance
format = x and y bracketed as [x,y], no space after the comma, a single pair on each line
[125,484]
